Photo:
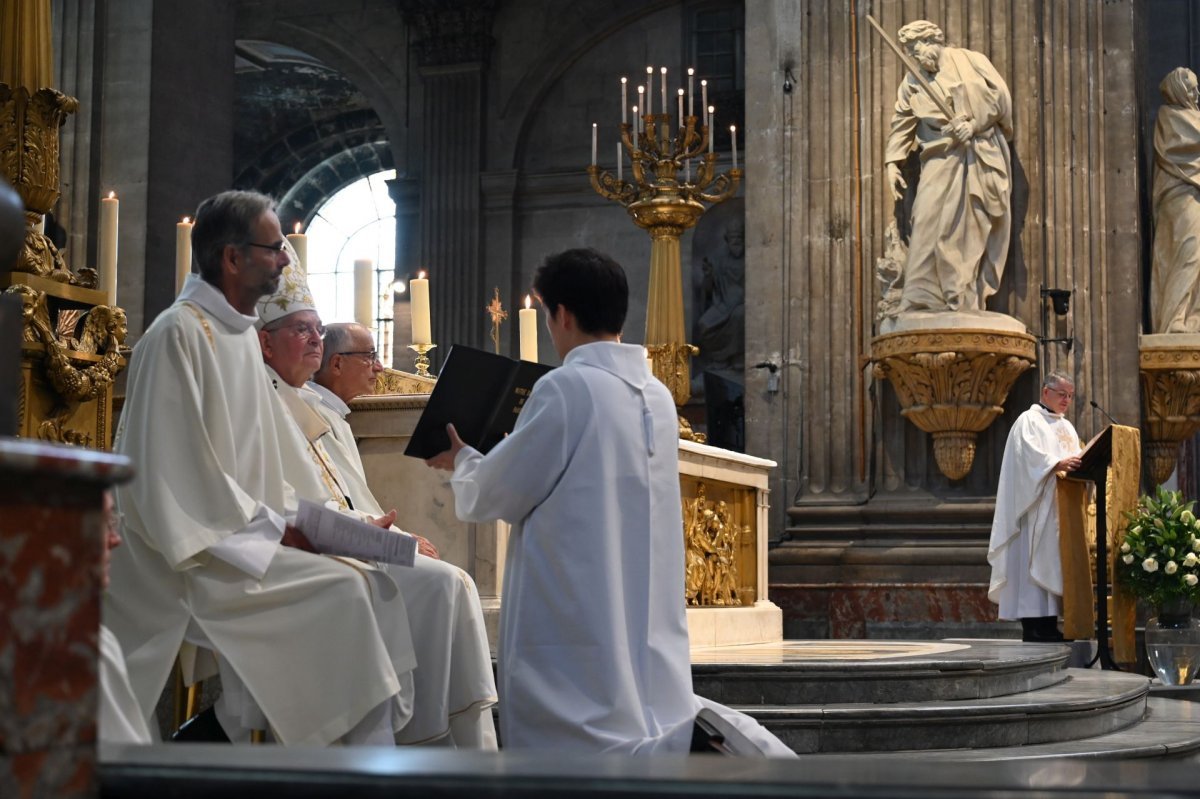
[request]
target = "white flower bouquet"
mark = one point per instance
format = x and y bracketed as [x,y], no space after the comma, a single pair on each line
[1159,561]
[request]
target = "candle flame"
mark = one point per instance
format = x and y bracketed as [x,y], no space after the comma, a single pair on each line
[641,89]
[681,92]
[664,70]
[421,274]
[112,195]
[624,79]
[528,301]
[691,71]
[635,109]
[732,128]
[187,219]
[297,227]
[649,70]
[712,108]
[703,83]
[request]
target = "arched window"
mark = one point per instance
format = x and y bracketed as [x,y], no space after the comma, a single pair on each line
[357,223]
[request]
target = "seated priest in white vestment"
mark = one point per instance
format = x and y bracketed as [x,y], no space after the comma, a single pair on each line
[593,651]
[454,685]
[1027,579]
[209,556]
[120,720]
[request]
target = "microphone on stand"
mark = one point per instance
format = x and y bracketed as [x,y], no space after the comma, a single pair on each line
[1096,405]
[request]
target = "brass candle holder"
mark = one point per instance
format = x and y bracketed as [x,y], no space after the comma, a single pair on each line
[664,200]
[422,351]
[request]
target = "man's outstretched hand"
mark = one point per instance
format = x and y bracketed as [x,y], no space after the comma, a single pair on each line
[445,460]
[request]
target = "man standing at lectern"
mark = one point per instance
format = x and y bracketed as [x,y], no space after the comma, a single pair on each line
[1027,581]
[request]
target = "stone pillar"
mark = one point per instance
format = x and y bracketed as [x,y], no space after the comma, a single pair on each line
[51,545]
[452,46]
[879,541]
[406,194]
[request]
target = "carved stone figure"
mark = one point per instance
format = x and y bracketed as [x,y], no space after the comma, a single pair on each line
[1175,279]
[720,327]
[961,216]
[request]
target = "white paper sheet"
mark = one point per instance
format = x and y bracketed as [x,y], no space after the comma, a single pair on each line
[335,533]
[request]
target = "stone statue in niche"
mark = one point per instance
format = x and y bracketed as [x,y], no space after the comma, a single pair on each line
[1175,278]
[961,215]
[719,297]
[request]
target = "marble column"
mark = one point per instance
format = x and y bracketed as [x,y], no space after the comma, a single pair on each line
[51,543]
[406,194]
[452,45]
[865,503]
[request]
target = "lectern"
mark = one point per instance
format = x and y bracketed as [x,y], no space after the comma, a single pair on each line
[1117,449]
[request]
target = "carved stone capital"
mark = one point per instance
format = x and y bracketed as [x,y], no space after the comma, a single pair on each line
[1170,375]
[952,383]
[450,33]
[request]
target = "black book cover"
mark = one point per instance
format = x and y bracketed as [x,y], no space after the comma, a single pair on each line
[481,393]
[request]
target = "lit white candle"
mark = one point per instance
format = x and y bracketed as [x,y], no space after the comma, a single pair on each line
[681,109]
[637,120]
[593,144]
[711,119]
[364,292]
[649,106]
[691,91]
[107,266]
[299,242]
[418,290]
[733,135]
[637,127]
[703,95]
[183,252]
[664,90]
[528,319]
[620,162]
[624,101]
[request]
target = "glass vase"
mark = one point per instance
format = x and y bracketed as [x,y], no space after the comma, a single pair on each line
[1173,643]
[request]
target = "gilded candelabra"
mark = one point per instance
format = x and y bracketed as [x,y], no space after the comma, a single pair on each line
[664,200]
[422,363]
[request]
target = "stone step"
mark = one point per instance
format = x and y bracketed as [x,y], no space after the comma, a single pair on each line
[869,671]
[1169,729]
[1085,705]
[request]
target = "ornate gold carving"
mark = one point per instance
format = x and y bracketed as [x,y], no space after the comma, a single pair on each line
[29,126]
[670,365]
[393,381]
[952,383]
[712,538]
[1171,401]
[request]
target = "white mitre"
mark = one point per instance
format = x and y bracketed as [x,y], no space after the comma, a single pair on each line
[291,296]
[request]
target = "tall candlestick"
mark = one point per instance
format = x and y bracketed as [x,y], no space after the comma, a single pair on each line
[703,95]
[649,90]
[691,91]
[733,135]
[109,207]
[299,242]
[364,292]
[637,127]
[418,291]
[664,90]
[624,102]
[620,162]
[641,103]
[529,342]
[681,109]
[593,144]
[183,252]
[711,118]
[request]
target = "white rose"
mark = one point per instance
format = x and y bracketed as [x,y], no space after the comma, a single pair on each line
[1125,547]
[1191,579]
[1150,565]
[1171,567]
[1127,558]
[1190,559]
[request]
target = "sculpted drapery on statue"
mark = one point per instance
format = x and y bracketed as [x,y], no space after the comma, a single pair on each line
[961,216]
[1175,280]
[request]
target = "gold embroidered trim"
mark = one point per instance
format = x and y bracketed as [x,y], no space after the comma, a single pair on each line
[203,322]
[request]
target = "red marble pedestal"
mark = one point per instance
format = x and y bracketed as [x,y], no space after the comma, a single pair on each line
[51,540]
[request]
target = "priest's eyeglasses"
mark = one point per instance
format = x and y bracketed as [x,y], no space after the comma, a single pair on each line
[1064,394]
[276,248]
[372,356]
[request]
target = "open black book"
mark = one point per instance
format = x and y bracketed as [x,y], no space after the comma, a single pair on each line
[481,393]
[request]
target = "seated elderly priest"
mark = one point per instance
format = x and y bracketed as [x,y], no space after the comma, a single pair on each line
[208,556]
[455,688]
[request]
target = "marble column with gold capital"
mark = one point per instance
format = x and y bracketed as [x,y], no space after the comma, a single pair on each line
[26,58]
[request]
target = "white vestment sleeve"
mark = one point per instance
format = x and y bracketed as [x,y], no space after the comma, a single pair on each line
[251,548]
[519,473]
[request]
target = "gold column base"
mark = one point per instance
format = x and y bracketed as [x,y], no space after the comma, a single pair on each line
[1170,376]
[422,351]
[952,383]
